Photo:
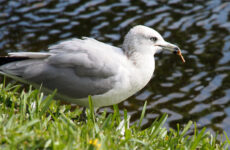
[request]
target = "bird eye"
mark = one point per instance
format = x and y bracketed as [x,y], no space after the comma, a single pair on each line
[154,39]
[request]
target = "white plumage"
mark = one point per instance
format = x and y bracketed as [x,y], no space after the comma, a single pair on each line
[78,68]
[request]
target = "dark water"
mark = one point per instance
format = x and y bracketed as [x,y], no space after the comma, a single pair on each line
[198,90]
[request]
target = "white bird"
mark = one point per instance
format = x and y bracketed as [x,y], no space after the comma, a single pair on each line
[78,68]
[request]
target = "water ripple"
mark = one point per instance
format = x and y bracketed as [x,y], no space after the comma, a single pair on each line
[198,90]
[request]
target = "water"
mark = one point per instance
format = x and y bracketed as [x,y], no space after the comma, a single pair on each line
[198,90]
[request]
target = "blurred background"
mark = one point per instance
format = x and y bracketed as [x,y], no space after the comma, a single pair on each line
[198,90]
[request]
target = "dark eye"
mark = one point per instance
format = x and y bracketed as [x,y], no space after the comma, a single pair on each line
[154,39]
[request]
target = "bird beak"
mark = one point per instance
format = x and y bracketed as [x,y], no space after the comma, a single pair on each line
[172,48]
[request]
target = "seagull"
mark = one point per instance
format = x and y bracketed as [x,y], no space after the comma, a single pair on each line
[78,68]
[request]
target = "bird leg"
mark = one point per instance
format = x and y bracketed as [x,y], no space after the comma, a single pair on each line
[83,116]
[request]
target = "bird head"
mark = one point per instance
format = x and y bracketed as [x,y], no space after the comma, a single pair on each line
[148,41]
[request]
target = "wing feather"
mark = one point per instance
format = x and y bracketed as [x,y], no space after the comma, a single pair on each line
[76,68]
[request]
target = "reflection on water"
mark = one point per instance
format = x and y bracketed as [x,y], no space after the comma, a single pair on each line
[198,90]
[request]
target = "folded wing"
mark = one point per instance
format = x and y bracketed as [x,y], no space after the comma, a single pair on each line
[76,68]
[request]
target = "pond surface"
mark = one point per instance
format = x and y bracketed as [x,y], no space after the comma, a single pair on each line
[198,90]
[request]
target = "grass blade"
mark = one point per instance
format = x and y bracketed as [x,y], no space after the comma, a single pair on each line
[44,106]
[91,108]
[186,128]
[142,114]
[158,125]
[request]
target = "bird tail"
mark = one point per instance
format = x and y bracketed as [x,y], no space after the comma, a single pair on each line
[19,56]
[8,59]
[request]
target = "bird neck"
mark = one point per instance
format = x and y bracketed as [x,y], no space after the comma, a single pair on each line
[143,69]
[144,66]
[141,60]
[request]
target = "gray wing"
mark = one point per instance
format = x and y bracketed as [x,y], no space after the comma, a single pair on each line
[74,71]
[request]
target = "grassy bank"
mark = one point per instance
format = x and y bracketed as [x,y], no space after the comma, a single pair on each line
[27,122]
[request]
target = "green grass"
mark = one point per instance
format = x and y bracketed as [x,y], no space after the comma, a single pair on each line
[28,122]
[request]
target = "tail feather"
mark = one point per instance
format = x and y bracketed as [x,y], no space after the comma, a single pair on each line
[9,59]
